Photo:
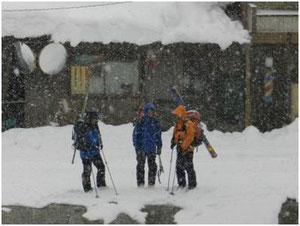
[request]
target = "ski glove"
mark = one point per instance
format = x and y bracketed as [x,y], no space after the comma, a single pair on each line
[137,150]
[158,151]
[173,144]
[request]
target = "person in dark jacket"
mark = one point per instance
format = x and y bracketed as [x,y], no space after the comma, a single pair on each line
[147,143]
[87,137]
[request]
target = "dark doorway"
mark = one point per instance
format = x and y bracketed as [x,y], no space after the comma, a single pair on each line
[13,105]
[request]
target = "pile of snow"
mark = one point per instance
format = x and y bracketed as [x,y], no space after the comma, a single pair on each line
[52,58]
[252,176]
[135,22]
[27,55]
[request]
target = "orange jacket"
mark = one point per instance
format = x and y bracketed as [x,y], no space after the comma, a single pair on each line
[183,137]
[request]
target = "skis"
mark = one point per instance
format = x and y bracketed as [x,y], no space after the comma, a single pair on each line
[175,94]
[209,148]
[82,112]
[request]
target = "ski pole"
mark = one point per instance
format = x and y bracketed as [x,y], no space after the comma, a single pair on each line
[161,170]
[93,175]
[172,193]
[109,173]
[170,170]
[74,154]
[73,158]
[94,180]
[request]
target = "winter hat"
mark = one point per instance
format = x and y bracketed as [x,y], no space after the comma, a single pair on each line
[180,112]
[148,106]
[194,115]
[92,114]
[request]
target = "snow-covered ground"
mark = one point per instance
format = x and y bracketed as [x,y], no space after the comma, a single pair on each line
[247,183]
[135,22]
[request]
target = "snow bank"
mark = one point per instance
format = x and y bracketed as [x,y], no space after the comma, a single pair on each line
[135,22]
[252,175]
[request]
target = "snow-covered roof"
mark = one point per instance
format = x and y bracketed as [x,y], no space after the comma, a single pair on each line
[134,22]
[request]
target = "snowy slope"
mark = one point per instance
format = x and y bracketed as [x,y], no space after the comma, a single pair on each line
[252,176]
[135,22]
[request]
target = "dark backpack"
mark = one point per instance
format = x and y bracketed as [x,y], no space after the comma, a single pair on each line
[78,132]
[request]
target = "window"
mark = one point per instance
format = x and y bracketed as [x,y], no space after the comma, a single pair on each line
[97,80]
[114,78]
[268,20]
[231,101]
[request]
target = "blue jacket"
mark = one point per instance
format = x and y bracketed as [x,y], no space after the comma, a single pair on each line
[147,133]
[86,139]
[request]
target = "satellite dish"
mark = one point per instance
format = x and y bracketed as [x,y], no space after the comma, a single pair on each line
[25,58]
[53,58]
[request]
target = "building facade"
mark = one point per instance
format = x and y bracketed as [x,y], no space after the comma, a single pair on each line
[250,84]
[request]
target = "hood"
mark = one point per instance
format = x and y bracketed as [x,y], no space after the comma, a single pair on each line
[180,110]
[147,107]
[90,115]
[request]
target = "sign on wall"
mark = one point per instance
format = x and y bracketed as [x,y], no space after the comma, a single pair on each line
[79,78]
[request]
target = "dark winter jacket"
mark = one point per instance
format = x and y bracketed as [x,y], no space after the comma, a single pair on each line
[86,139]
[147,133]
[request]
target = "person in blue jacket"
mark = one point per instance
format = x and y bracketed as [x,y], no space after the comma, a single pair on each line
[147,143]
[87,137]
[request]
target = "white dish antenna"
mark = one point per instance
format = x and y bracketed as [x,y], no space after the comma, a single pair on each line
[53,58]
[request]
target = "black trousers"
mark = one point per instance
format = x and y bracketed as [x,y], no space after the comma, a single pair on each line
[87,169]
[185,163]
[140,168]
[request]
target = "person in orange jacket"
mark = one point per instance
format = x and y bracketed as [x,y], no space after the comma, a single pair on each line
[183,136]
